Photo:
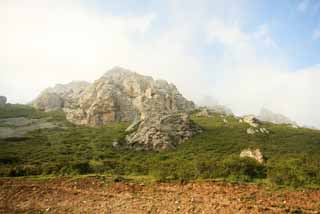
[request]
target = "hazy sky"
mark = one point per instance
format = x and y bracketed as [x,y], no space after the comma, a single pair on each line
[247,54]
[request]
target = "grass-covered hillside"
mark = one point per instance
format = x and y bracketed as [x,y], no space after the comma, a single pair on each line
[292,155]
[19,110]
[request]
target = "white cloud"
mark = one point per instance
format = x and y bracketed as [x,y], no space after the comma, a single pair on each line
[219,31]
[251,80]
[48,42]
[303,5]
[233,35]
[263,34]
[44,45]
[250,87]
[316,34]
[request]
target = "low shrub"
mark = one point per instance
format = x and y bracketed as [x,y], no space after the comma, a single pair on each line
[243,169]
[294,172]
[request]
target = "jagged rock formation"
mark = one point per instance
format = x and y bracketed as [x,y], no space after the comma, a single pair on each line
[254,154]
[269,116]
[60,96]
[119,95]
[160,132]
[3,100]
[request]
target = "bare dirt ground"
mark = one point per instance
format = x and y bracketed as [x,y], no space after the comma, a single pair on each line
[95,195]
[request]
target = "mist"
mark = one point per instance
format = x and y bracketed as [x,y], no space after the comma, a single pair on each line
[204,53]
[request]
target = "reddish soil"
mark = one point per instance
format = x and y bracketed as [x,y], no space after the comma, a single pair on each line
[95,195]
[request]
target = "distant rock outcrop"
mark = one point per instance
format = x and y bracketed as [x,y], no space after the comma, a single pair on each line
[3,100]
[251,120]
[119,95]
[216,109]
[60,96]
[254,125]
[221,109]
[269,116]
[254,154]
[204,112]
[161,132]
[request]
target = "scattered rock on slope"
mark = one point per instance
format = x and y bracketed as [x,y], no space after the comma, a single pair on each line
[254,125]
[161,132]
[255,154]
[3,100]
[203,113]
[119,95]
[251,120]
[251,131]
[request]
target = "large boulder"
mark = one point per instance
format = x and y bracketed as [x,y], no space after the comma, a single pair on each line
[160,132]
[120,95]
[254,154]
[3,100]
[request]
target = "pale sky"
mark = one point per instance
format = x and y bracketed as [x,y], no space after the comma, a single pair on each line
[247,54]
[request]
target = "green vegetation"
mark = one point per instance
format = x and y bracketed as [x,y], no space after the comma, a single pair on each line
[293,155]
[18,110]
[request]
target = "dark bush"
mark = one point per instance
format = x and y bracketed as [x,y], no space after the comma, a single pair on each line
[76,168]
[243,169]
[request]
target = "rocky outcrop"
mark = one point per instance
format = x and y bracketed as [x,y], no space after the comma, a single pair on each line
[254,125]
[119,95]
[269,116]
[254,154]
[3,100]
[49,102]
[216,109]
[253,131]
[160,132]
[61,96]
[203,113]
[251,120]
[221,109]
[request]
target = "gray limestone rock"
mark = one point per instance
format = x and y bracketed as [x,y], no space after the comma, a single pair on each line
[161,132]
[119,95]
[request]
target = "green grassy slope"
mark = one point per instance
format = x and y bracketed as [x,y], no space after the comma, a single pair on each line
[293,155]
[19,110]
